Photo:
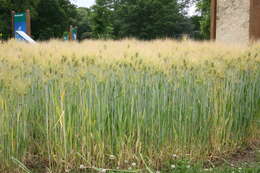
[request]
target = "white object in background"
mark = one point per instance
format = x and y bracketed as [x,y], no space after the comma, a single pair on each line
[25,37]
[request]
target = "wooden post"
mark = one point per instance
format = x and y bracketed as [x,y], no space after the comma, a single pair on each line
[70,32]
[213,26]
[28,22]
[254,22]
[12,23]
[1,38]
[251,21]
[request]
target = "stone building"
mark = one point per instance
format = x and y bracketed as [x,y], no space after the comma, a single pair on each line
[235,21]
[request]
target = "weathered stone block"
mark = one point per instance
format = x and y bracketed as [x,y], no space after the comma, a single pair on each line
[235,21]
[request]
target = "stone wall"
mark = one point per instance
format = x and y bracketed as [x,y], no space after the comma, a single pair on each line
[233,18]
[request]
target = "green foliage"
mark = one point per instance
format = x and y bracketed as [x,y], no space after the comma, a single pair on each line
[54,17]
[50,18]
[101,20]
[116,19]
[83,23]
[143,19]
[5,13]
[203,7]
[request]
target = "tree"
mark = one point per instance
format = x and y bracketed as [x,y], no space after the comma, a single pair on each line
[101,19]
[54,18]
[83,23]
[143,19]
[5,22]
[203,7]
[50,18]
[6,6]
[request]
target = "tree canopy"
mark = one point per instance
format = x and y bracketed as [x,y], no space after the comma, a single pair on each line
[116,19]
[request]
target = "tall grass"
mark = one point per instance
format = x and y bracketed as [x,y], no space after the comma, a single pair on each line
[108,103]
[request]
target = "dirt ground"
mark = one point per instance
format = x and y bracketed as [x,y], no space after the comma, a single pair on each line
[248,157]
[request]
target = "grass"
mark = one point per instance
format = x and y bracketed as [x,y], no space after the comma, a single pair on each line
[115,104]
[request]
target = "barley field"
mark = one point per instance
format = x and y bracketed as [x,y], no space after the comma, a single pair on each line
[124,105]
